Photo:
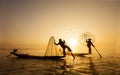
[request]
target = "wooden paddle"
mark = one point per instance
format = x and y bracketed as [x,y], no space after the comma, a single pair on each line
[98,52]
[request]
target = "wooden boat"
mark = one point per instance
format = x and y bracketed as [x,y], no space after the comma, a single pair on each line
[20,55]
[32,56]
[79,54]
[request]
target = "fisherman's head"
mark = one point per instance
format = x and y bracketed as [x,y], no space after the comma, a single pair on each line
[89,39]
[14,50]
[60,39]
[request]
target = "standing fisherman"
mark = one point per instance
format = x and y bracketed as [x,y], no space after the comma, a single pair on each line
[89,43]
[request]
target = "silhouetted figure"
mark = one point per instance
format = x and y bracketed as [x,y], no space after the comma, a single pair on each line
[89,43]
[14,51]
[62,44]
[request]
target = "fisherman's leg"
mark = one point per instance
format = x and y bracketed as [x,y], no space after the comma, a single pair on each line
[69,48]
[90,50]
[70,51]
[64,53]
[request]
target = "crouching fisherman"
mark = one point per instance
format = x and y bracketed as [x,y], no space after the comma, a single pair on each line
[13,52]
[64,46]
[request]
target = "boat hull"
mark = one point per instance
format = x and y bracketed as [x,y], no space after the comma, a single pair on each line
[38,57]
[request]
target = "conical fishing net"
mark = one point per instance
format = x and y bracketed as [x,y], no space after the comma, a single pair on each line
[52,49]
[84,36]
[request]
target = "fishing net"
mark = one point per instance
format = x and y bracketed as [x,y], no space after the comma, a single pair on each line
[52,49]
[85,36]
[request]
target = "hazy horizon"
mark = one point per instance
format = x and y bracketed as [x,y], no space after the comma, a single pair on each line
[30,24]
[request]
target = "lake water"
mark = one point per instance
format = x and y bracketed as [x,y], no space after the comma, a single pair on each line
[89,65]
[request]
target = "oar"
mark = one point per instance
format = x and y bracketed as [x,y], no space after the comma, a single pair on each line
[98,52]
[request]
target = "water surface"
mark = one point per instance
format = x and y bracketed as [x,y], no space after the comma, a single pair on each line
[88,65]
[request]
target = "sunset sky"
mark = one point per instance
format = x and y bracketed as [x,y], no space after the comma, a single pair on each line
[30,23]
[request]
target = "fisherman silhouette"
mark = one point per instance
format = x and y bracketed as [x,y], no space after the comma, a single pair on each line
[14,51]
[89,43]
[64,46]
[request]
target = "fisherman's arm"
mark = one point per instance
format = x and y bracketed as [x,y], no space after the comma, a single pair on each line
[56,43]
[63,41]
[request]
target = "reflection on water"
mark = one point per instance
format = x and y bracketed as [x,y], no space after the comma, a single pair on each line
[66,66]
[80,66]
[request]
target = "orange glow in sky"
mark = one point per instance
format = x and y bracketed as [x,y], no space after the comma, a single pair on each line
[73,44]
[30,24]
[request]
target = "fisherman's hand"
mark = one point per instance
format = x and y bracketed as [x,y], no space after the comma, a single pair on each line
[70,50]
[54,43]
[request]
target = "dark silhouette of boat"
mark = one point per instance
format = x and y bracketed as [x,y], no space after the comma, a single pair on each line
[80,54]
[19,55]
